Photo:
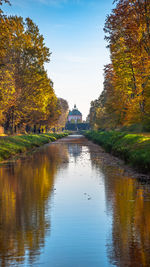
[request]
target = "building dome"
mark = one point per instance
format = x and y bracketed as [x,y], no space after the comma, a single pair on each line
[75,114]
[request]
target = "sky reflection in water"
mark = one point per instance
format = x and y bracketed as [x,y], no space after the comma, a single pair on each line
[64,207]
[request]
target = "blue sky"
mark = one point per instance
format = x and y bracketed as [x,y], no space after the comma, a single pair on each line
[73,30]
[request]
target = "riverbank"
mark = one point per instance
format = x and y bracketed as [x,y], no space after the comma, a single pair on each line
[13,145]
[134,149]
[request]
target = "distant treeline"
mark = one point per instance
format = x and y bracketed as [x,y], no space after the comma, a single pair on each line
[77,126]
[27,97]
[125,99]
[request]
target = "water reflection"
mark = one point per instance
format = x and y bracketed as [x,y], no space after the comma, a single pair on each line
[75,150]
[24,191]
[128,200]
[101,216]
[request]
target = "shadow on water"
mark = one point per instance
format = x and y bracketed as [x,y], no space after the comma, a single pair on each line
[100,215]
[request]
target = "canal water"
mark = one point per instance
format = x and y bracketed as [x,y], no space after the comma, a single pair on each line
[66,206]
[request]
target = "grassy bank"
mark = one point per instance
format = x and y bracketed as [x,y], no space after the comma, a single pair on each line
[134,149]
[12,145]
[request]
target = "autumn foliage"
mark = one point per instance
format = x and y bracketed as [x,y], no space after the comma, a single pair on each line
[27,97]
[125,99]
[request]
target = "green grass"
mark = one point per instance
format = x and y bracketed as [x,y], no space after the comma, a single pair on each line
[134,149]
[12,145]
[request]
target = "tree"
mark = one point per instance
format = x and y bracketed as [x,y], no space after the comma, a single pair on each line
[127,31]
[26,93]
[64,108]
[1,2]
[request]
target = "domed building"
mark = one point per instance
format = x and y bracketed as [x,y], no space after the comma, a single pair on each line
[75,116]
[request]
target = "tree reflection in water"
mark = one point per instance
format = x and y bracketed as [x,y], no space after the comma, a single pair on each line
[128,201]
[75,150]
[25,188]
